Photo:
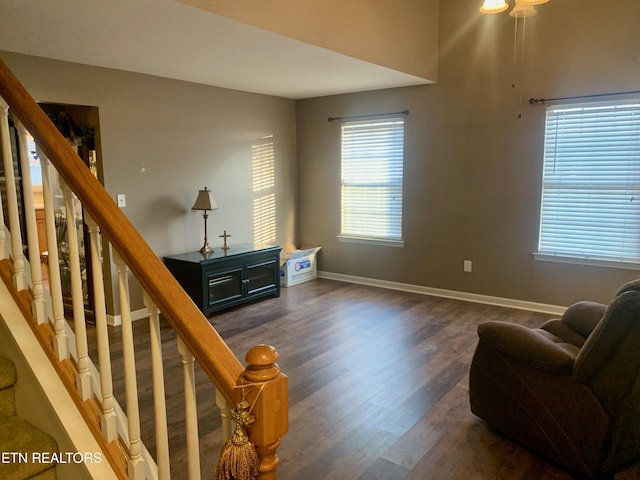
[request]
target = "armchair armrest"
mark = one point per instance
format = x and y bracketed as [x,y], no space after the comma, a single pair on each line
[528,346]
[584,316]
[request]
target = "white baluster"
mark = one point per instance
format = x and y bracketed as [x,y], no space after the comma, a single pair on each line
[77,298]
[32,227]
[12,205]
[6,153]
[225,415]
[136,461]
[190,410]
[108,419]
[159,403]
[55,285]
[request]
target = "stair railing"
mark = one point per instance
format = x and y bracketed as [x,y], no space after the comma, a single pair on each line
[263,385]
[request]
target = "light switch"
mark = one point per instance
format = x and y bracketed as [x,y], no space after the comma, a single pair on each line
[122,200]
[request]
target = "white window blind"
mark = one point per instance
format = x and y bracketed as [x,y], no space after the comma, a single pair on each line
[591,182]
[372,166]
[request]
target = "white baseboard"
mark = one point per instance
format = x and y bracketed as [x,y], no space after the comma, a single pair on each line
[437,292]
[116,320]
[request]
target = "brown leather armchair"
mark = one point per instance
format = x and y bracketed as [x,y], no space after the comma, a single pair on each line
[569,390]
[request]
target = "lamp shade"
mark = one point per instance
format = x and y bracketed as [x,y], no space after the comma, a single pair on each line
[523,10]
[533,2]
[205,201]
[494,6]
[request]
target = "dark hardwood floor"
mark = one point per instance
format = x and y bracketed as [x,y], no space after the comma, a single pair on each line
[377,387]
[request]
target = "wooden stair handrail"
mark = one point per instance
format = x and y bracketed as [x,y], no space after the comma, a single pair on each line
[176,306]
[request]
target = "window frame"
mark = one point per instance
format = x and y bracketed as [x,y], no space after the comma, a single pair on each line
[591,171]
[386,175]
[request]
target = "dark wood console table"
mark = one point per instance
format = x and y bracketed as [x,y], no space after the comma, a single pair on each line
[226,278]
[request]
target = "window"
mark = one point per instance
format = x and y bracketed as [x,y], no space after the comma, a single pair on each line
[591,184]
[372,165]
[34,162]
[264,182]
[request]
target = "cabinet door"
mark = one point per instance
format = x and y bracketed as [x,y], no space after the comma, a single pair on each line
[262,276]
[224,286]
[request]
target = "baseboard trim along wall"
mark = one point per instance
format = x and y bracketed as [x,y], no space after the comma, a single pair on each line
[437,292]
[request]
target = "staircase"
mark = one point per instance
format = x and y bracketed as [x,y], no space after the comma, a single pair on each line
[64,346]
[21,442]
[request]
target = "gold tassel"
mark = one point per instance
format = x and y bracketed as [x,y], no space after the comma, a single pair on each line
[238,457]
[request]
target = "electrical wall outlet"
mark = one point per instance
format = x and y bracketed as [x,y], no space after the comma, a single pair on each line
[467,265]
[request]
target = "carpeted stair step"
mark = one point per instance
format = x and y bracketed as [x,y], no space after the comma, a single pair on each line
[7,381]
[23,447]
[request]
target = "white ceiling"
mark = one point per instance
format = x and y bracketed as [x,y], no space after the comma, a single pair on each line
[170,39]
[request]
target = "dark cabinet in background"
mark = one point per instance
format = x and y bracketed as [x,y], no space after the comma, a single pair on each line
[226,278]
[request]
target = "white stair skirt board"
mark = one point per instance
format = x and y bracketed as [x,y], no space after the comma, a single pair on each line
[52,386]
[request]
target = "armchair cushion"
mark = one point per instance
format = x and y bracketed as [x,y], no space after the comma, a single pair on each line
[561,330]
[536,348]
[584,316]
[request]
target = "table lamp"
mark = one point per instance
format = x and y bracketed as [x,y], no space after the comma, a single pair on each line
[205,202]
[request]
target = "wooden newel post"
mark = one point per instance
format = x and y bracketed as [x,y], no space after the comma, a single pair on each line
[270,399]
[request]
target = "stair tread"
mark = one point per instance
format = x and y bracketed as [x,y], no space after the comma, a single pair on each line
[18,435]
[7,373]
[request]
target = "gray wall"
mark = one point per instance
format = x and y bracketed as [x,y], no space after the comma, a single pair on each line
[474,152]
[162,140]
